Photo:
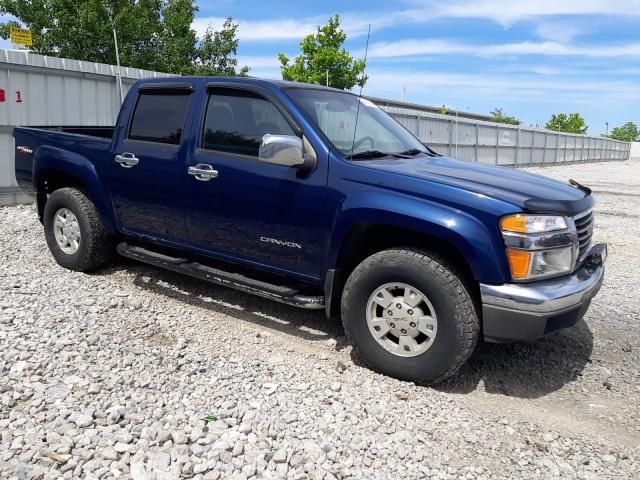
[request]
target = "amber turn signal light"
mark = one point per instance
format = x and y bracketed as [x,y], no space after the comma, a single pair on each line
[519,263]
[514,223]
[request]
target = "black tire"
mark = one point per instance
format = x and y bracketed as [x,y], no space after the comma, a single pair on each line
[457,328]
[96,245]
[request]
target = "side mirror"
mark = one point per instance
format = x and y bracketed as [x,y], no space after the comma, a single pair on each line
[284,150]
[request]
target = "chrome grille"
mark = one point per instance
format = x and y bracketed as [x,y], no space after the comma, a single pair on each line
[584,226]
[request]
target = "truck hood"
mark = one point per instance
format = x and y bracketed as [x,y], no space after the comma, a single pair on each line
[533,193]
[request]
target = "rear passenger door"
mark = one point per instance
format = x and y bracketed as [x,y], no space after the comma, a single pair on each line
[148,165]
[247,209]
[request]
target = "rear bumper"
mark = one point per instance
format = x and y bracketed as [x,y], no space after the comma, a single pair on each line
[514,312]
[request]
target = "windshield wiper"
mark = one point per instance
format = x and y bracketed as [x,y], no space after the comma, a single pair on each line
[372,154]
[413,152]
[416,151]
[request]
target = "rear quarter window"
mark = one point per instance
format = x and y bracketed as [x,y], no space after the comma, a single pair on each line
[160,117]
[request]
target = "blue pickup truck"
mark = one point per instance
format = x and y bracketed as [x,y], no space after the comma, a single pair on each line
[317,198]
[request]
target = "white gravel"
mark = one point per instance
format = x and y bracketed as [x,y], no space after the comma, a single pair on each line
[136,372]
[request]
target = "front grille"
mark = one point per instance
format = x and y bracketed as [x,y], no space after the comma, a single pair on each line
[584,226]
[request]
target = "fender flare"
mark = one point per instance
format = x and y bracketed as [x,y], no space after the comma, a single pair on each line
[48,158]
[466,233]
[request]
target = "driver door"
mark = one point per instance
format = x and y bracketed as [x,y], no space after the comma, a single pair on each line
[250,210]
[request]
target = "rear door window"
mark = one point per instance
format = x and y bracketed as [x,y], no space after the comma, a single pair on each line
[160,116]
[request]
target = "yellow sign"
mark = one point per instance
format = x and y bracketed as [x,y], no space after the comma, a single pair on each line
[21,36]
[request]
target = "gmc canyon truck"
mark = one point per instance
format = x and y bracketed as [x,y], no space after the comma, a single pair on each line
[317,198]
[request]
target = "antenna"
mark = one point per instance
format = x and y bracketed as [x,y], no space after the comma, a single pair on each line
[355,128]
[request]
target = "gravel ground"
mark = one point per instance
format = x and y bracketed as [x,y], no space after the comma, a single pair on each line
[136,372]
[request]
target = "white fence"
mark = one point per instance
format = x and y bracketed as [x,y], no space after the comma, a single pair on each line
[40,90]
[500,144]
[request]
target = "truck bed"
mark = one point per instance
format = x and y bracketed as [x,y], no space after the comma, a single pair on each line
[102,132]
[91,142]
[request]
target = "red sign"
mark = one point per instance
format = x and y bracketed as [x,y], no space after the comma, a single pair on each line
[2,96]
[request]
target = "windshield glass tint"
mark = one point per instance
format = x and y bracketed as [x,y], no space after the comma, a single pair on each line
[335,114]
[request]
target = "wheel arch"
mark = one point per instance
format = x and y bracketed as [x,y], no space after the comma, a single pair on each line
[367,238]
[57,168]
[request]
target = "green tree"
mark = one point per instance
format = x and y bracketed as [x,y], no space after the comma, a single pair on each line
[216,53]
[443,110]
[497,115]
[627,133]
[568,123]
[83,30]
[152,34]
[323,56]
[178,38]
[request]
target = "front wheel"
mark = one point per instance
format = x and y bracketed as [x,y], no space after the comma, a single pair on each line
[409,315]
[75,236]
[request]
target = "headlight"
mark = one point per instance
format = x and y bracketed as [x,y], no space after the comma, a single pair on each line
[532,223]
[544,263]
[539,246]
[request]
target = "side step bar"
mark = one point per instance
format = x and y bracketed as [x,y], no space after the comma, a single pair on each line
[237,281]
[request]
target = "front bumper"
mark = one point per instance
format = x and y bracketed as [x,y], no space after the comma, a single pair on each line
[512,312]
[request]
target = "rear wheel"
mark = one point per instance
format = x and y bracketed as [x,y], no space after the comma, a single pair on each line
[75,236]
[409,315]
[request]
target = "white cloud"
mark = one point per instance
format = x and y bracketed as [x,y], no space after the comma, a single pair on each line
[547,13]
[353,24]
[560,31]
[508,12]
[415,47]
[252,30]
[497,86]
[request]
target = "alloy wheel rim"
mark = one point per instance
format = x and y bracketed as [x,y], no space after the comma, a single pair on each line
[66,230]
[401,319]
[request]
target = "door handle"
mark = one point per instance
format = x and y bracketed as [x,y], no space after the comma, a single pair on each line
[203,172]
[127,160]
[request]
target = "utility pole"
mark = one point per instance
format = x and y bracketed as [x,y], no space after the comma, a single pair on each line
[607,133]
[119,75]
[327,77]
[403,92]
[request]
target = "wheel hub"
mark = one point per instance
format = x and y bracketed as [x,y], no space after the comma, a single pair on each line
[401,319]
[66,230]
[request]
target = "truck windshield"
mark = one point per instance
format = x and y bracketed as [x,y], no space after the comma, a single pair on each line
[377,134]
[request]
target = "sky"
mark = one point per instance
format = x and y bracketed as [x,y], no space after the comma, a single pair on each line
[532,58]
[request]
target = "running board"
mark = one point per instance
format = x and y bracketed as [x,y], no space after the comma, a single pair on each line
[237,281]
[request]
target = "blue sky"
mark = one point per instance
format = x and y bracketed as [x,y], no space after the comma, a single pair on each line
[532,58]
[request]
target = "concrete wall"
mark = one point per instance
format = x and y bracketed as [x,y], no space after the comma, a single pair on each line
[635,151]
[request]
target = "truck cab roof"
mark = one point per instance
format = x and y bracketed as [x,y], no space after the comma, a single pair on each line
[282,84]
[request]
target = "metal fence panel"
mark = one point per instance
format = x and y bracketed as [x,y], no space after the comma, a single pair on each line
[42,90]
[501,144]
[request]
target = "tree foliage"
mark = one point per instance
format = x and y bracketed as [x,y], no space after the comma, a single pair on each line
[322,54]
[498,116]
[152,34]
[179,42]
[567,123]
[627,133]
[217,52]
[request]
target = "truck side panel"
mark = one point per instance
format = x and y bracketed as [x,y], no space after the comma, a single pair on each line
[42,156]
[465,233]
[462,219]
